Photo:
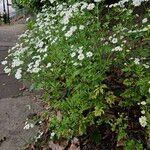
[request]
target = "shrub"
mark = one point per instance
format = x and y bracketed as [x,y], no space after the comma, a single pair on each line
[92,61]
[31,5]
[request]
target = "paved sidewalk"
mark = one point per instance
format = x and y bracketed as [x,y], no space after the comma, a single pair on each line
[9,87]
[14,108]
[13,114]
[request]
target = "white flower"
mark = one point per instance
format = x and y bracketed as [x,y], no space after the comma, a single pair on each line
[75,64]
[71,31]
[84,6]
[18,74]
[52,134]
[118,48]
[27,19]
[137,61]
[81,27]
[52,1]
[144,20]
[73,28]
[4,62]
[16,62]
[28,126]
[81,56]
[73,54]
[39,136]
[143,103]
[35,70]
[64,28]
[149,90]
[40,44]
[114,40]
[65,20]
[91,6]
[89,54]
[136,2]
[80,51]
[48,65]
[110,37]
[68,34]
[146,66]
[143,112]
[7,70]
[143,121]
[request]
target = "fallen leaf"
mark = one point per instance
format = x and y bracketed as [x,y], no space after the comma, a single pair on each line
[54,146]
[75,144]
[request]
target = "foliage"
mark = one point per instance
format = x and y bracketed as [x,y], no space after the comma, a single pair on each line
[92,61]
[32,5]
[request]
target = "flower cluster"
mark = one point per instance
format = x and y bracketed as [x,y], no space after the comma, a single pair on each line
[123,2]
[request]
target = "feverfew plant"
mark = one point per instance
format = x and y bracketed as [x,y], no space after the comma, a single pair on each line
[93,67]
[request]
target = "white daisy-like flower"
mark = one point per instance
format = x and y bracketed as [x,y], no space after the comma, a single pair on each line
[91,6]
[35,70]
[7,70]
[144,20]
[48,65]
[89,54]
[18,74]
[80,51]
[146,66]
[81,27]
[114,40]
[143,103]
[75,64]
[16,62]
[136,2]
[52,1]
[143,121]
[4,62]
[137,61]
[73,28]
[118,48]
[52,134]
[73,54]
[143,112]
[81,56]
[68,34]
[28,126]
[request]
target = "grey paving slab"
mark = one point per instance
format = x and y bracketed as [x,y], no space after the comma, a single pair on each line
[13,113]
[9,86]
[9,34]
[13,109]
[3,54]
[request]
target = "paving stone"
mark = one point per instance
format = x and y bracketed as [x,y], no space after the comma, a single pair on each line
[9,87]
[3,55]
[13,111]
